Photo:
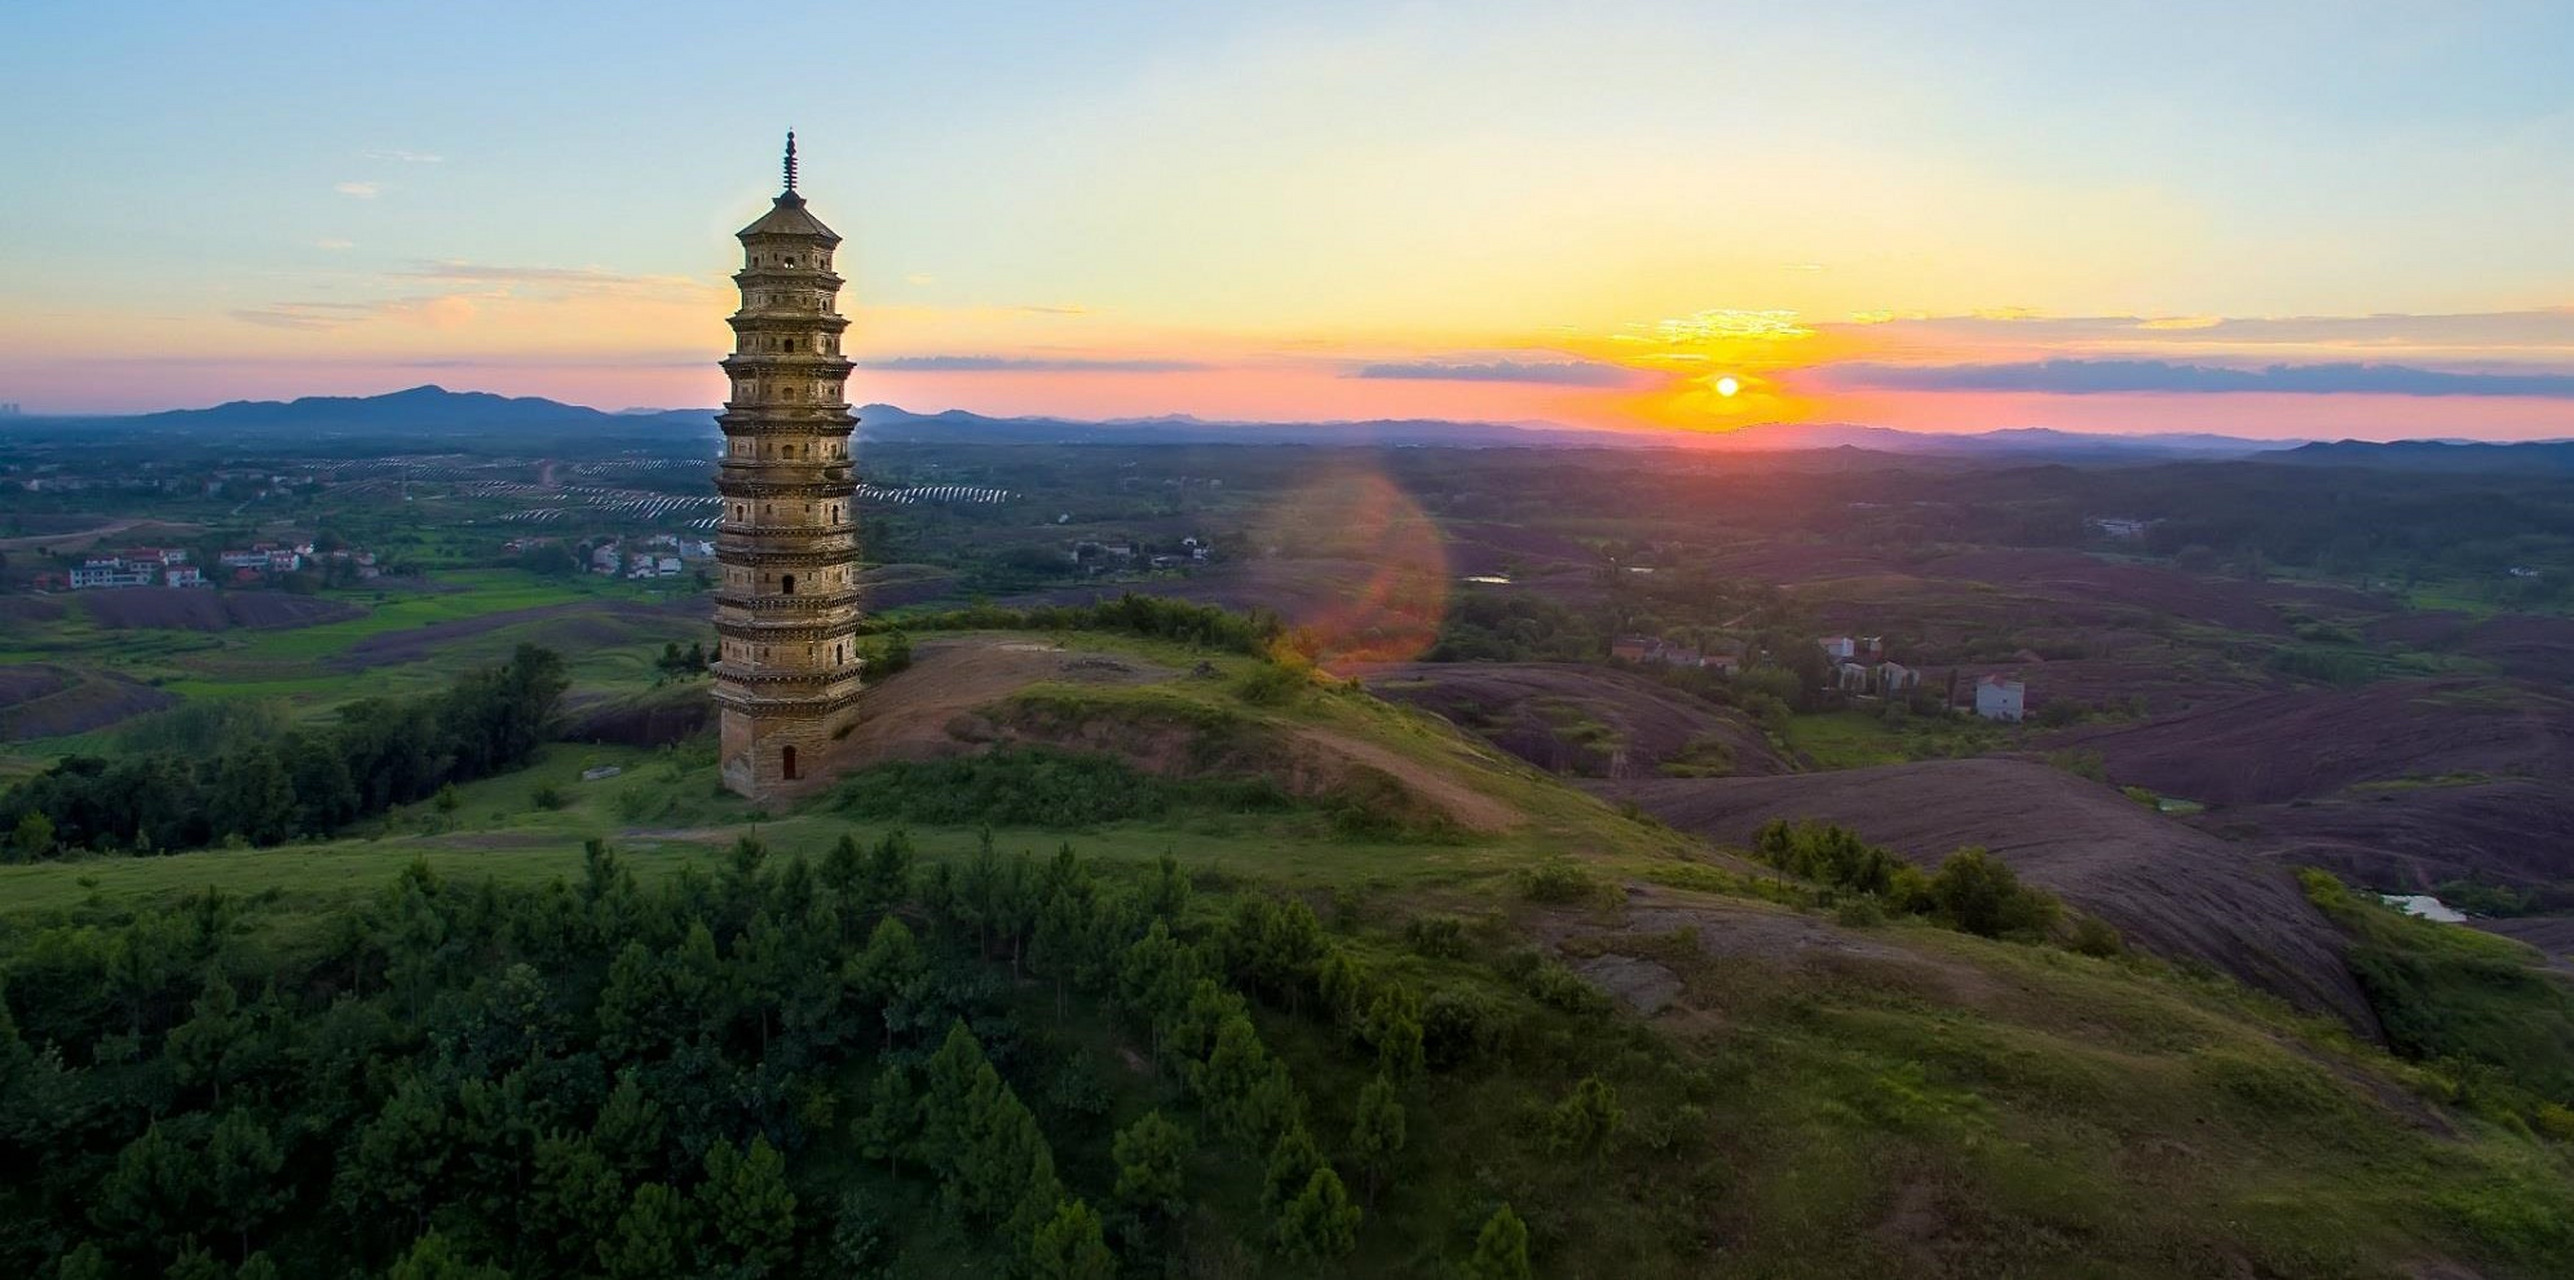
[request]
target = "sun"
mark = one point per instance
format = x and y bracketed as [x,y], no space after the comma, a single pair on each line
[1727,386]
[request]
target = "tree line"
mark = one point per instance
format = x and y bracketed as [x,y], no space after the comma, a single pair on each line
[380,752]
[598,1078]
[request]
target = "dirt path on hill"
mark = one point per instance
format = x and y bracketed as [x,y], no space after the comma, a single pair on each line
[910,715]
[1468,807]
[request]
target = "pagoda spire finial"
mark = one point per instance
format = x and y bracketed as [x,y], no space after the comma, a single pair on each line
[790,161]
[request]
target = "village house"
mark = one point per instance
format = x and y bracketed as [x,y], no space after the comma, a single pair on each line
[182,575]
[95,575]
[1838,648]
[1999,699]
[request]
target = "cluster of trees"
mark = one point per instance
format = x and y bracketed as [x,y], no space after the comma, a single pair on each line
[1972,890]
[676,663]
[600,1078]
[301,781]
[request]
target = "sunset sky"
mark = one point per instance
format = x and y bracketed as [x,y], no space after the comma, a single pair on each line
[2308,219]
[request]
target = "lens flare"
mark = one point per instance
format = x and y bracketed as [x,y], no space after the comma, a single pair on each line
[1361,569]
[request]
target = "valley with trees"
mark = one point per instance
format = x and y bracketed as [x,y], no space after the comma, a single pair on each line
[1335,901]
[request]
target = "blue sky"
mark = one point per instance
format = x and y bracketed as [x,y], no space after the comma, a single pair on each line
[1243,210]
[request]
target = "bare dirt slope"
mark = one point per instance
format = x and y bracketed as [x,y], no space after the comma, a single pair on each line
[2507,830]
[1582,720]
[925,712]
[42,700]
[2276,747]
[2171,890]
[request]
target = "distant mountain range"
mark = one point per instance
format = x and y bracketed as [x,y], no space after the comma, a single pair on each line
[435,417]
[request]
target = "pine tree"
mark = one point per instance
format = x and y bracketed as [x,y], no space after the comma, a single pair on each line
[748,1210]
[1393,1025]
[893,1119]
[83,1263]
[1069,1246]
[201,1048]
[1585,1120]
[434,1257]
[886,879]
[1501,1249]
[242,1164]
[1320,1224]
[652,1238]
[1152,1158]
[1292,1162]
[575,1193]
[194,1263]
[889,975]
[1377,1132]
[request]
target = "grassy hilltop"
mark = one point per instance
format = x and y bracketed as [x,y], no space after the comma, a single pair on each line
[1658,1056]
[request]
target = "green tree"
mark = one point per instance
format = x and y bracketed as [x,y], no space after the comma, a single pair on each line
[652,1239]
[890,976]
[747,1209]
[434,1257]
[258,1266]
[151,1200]
[893,1118]
[1152,1166]
[1393,1025]
[1069,1246]
[1501,1248]
[1292,1162]
[83,1263]
[1586,1119]
[33,838]
[1320,1224]
[195,1263]
[573,1194]
[242,1166]
[202,1050]
[253,796]
[1983,895]
[1377,1132]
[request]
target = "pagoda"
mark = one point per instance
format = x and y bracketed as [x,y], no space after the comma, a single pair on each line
[786,608]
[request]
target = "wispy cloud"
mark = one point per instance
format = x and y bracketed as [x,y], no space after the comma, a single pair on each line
[1063,309]
[1030,364]
[361,190]
[2098,377]
[400,156]
[1561,373]
[309,315]
[491,273]
[920,278]
[334,244]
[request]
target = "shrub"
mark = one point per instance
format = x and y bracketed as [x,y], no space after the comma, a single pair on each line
[1459,1028]
[1980,894]
[551,796]
[1271,684]
[1830,854]
[1558,879]
[1438,937]
[1861,912]
[2093,936]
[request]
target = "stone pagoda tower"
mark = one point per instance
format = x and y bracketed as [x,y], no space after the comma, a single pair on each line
[786,675]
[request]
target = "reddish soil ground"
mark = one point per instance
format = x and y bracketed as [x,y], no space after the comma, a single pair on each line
[1531,709]
[2303,744]
[2169,889]
[2512,830]
[198,609]
[927,711]
[43,701]
[31,608]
